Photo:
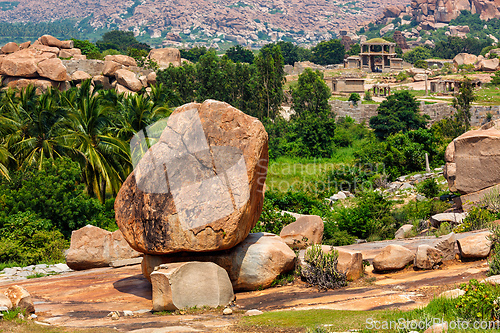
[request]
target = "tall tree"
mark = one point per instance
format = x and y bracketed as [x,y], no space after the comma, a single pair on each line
[462,102]
[328,52]
[311,94]
[239,54]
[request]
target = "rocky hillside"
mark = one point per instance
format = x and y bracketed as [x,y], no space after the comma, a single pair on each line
[444,11]
[250,22]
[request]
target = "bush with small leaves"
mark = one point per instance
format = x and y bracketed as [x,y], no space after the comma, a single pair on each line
[321,269]
[429,188]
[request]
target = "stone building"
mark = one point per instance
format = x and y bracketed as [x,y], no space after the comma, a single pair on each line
[346,84]
[377,55]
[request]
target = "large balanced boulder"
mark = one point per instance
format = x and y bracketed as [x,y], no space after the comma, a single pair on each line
[165,57]
[487,65]
[52,69]
[200,187]
[475,247]
[349,262]
[253,264]
[189,284]
[128,79]
[427,257]
[473,158]
[392,257]
[23,67]
[93,247]
[307,230]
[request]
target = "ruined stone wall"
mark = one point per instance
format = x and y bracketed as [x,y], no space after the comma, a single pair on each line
[363,112]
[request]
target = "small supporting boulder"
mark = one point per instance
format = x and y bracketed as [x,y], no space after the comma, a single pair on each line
[452,218]
[20,298]
[110,68]
[427,257]
[307,230]
[475,246]
[400,234]
[392,257]
[188,284]
[447,246]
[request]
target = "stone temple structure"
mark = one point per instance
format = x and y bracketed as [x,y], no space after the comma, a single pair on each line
[377,55]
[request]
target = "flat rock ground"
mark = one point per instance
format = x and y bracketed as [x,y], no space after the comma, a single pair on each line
[84,299]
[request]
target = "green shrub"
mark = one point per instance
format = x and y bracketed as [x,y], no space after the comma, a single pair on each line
[321,269]
[402,76]
[420,64]
[271,220]
[368,95]
[354,98]
[479,301]
[495,79]
[478,218]
[429,188]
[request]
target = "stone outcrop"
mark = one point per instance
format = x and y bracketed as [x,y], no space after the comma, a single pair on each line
[392,257]
[472,160]
[487,65]
[400,233]
[452,218]
[20,298]
[464,59]
[307,230]
[93,247]
[215,157]
[128,79]
[427,257]
[435,11]
[165,57]
[190,284]
[53,69]
[121,59]
[254,263]
[447,246]
[9,48]
[475,246]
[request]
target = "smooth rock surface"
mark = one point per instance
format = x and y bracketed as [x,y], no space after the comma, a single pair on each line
[305,231]
[121,59]
[392,257]
[53,69]
[216,159]
[400,234]
[128,79]
[165,57]
[185,285]
[475,246]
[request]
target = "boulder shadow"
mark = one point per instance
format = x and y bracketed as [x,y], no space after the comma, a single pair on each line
[136,285]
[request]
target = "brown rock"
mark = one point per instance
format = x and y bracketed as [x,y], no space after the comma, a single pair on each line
[24,67]
[121,59]
[9,48]
[52,69]
[400,40]
[80,76]
[79,57]
[20,298]
[101,80]
[128,79]
[5,302]
[165,57]
[392,257]
[67,44]
[93,247]
[45,49]
[464,59]
[110,68]
[24,45]
[49,40]
[476,157]
[253,264]
[427,257]
[195,210]
[69,53]
[151,78]
[307,230]
[392,11]
[447,245]
[190,284]
[488,65]
[475,246]
[122,89]
[41,85]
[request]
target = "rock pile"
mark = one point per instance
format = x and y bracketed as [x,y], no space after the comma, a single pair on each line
[480,63]
[22,273]
[434,11]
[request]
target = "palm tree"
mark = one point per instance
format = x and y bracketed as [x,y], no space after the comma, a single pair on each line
[104,158]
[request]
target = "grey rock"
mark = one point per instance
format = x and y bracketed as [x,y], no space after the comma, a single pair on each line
[253,312]
[400,234]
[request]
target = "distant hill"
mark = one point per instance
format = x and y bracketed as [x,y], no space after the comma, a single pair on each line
[211,23]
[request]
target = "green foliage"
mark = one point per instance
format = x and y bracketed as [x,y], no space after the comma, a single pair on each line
[368,96]
[272,220]
[321,269]
[328,52]
[420,64]
[429,188]
[354,50]
[478,218]
[239,54]
[495,79]
[291,53]
[449,48]
[480,301]
[88,48]
[311,94]
[27,239]
[403,75]
[354,98]
[462,102]
[194,53]
[399,112]
[347,132]
[418,53]
[121,41]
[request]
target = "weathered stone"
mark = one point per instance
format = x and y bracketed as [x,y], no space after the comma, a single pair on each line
[392,11]
[110,68]
[349,262]
[254,263]
[80,76]
[151,77]
[128,79]
[45,49]
[67,44]
[452,294]
[253,312]
[307,230]
[93,247]
[216,159]
[5,302]
[49,40]
[79,57]
[101,80]
[464,59]
[189,284]
[452,218]
[475,246]
[165,57]
[400,234]
[123,90]
[9,48]
[24,45]
[392,257]
[20,298]
[92,67]
[447,246]
[41,85]
[121,59]
[24,67]
[69,53]
[427,257]
[52,69]
[475,160]
[487,65]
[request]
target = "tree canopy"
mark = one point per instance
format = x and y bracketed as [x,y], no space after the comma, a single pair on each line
[328,52]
